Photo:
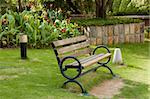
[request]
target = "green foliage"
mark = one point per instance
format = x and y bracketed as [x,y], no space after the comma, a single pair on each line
[125,7]
[116,5]
[85,6]
[147,32]
[7,30]
[109,21]
[131,8]
[7,5]
[41,30]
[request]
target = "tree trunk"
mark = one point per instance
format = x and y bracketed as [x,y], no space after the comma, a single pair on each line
[102,6]
[20,5]
[100,10]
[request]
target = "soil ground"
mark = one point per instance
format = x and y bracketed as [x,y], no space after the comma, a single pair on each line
[107,89]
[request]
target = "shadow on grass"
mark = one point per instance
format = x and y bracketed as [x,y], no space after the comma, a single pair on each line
[89,80]
[133,90]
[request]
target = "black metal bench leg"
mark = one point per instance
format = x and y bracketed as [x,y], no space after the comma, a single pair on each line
[74,81]
[109,69]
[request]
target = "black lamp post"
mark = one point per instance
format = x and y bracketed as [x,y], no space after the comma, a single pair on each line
[23,46]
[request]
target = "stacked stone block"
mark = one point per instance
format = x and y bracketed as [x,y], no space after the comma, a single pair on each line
[115,34]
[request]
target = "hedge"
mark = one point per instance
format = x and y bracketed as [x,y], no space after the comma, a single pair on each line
[102,22]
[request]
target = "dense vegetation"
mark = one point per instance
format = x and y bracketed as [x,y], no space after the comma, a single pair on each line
[129,7]
[41,28]
[43,24]
[117,7]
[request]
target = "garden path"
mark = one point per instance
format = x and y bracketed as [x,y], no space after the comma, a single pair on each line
[107,89]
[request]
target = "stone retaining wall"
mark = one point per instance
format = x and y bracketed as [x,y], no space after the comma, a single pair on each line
[114,34]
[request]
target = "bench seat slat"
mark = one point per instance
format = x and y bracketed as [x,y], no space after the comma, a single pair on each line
[73,47]
[96,60]
[92,59]
[86,59]
[69,41]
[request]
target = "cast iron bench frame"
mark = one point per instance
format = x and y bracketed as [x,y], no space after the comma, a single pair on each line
[61,47]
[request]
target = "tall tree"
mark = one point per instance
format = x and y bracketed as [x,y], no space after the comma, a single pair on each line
[102,6]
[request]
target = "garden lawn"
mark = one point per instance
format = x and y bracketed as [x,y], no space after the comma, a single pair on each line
[39,77]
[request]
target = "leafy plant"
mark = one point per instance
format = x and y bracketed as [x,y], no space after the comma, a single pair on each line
[8,33]
[41,31]
[147,32]
[130,7]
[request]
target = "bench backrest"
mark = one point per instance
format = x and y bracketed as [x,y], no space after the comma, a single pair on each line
[75,46]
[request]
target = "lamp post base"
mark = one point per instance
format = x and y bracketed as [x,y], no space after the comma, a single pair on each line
[23,49]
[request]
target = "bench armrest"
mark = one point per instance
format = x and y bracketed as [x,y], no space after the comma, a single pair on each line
[101,46]
[78,67]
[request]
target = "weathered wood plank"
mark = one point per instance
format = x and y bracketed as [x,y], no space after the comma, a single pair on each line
[127,39]
[84,60]
[93,31]
[121,38]
[93,41]
[77,53]
[132,28]
[110,30]
[93,61]
[132,38]
[105,30]
[127,29]
[116,39]
[110,40]
[105,40]
[116,30]
[73,47]
[98,41]
[137,28]
[99,32]
[121,29]
[69,41]
[91,58]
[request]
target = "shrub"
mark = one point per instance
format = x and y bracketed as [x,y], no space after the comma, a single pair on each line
[41,29]
[131,7]
[108,21]
[147,32]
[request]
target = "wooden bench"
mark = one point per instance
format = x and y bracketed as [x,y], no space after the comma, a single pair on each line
[74,49]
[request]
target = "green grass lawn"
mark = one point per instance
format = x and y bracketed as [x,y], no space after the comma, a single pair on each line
[39,76]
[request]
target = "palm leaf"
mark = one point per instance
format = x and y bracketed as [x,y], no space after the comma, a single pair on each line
[11,20]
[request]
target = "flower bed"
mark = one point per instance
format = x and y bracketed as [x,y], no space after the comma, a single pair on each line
[41,29]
